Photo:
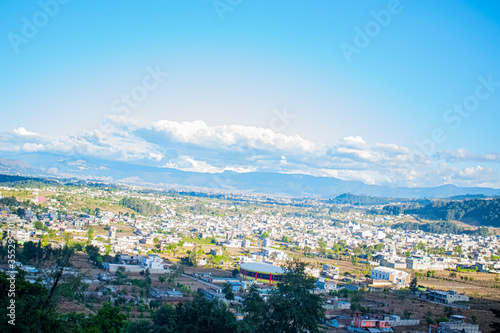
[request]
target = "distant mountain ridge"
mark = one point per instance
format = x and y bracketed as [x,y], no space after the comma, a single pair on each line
[295,185]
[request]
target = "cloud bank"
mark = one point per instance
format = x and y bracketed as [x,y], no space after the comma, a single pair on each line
[196,146]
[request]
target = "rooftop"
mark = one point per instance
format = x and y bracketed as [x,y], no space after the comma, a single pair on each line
[262,268]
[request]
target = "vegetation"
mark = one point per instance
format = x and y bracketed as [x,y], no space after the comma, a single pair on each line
[141,206]
[440,228]
[291,308]
[495,326]
[484,211]
[364,200]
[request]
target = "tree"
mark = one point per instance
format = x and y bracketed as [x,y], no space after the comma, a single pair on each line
[108,319]
[90,235]
[93,252]
[495,326]
[255,307]
[228,291]
[407,314]
[322,247]
[413,285]
[32,311]
[120,273]
[68,238]
[35,306]
[38,225]
[448,311]
[192,258]
[199,316]
[293,307]
[141,326]
[162,279]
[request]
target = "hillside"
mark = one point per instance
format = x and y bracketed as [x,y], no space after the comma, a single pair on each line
[482,212]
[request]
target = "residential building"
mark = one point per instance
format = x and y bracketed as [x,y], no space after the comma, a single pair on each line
[268,242]
[446,297]
[456,324]
[367,324]
[399,278]
[323,284]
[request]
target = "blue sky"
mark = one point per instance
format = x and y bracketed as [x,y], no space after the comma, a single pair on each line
[235,66]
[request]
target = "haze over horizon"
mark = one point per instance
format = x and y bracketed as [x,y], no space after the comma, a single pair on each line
[397,93]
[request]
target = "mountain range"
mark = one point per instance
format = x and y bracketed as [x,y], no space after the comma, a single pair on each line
[294,185]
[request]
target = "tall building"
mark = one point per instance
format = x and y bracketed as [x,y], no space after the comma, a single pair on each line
[112,232]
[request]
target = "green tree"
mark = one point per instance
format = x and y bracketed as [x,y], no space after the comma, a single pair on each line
[293,307]
[120,273]
[413,285]
[448,311]
[322,247]
[90,235]
[35,305]
[228,291]
[108,319]
[141,326]
[495,326]
[199,316]
[255,308]
[34,312]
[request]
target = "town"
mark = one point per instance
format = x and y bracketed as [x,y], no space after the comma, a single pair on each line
[140,246]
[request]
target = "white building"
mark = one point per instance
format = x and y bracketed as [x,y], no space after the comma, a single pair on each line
[400,278]
[22,236]
[152,261]
[112,232]
[268,242]
[273,253]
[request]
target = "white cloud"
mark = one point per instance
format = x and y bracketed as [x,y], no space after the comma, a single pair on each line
[199,133]
[188,163]
[22,131]
[464,155]
[196,146]
[32,147]
[355,141]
